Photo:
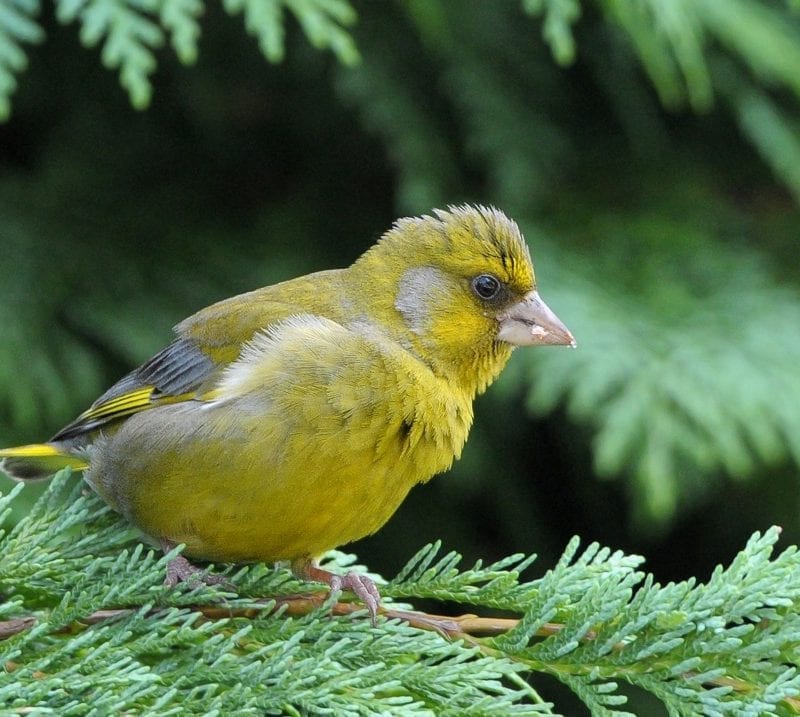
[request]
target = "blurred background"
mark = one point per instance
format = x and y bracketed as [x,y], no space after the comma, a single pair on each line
[650,151]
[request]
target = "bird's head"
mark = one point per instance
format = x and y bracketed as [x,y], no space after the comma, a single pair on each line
[458,288]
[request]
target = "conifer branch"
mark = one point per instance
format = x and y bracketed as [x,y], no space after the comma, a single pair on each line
[84,605]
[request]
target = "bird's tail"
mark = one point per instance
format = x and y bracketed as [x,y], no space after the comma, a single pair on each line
[39,460]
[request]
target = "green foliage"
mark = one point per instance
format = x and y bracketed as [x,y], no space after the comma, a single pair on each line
[101,635]
[129,38]
[426,170]
[17,25]
[559,16]
[678,45]
[180,18]
[773,131]
[322,21]
[162,656]
[675,42]
[666,402]
[132,31]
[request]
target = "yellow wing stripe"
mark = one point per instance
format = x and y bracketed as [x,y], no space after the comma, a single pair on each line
[126,405]
[36,451]
[121,405]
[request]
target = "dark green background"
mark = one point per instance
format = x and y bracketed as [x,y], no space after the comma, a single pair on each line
[647,210]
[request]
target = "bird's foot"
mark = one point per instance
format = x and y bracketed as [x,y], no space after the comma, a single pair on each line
[360,585]
[180,570]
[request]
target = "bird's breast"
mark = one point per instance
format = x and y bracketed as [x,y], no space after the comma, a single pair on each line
[285,475]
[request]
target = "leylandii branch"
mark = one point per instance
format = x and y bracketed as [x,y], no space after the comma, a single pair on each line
[468,628]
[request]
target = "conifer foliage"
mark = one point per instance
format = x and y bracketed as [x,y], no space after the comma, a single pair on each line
[87,628]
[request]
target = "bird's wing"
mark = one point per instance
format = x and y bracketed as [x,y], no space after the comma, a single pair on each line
[174,374]
[207,342]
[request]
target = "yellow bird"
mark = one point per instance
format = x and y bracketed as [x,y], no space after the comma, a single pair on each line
[295,418]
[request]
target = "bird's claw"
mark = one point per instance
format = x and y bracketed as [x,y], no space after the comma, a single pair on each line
[362,587]
[180,570]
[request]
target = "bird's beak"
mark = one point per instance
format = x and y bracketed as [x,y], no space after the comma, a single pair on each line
[530,322]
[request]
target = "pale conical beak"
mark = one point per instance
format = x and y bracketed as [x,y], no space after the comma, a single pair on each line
[531,323]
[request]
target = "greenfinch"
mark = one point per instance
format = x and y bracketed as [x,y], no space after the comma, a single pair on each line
[296,418]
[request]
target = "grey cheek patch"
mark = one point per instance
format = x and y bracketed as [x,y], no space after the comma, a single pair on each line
[420,290]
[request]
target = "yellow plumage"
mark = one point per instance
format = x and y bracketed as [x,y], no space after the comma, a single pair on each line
[296,418]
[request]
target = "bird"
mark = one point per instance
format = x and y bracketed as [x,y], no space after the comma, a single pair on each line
[295,418]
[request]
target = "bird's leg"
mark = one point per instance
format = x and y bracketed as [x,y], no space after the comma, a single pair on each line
[180,570]
[362,586]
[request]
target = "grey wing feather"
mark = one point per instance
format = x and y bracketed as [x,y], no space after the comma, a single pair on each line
[179,368]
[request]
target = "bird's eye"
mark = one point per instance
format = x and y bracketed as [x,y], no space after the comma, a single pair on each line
[486,286]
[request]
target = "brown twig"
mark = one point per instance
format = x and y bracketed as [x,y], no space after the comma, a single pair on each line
[459,627]
[12,627]
[454,628]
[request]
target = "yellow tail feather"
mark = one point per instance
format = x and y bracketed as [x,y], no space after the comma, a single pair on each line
[38,460]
